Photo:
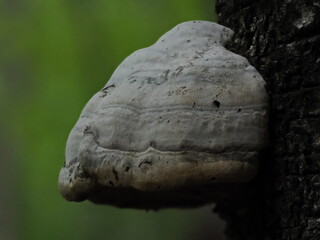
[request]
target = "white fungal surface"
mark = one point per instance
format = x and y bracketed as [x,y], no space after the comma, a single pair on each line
[182,112]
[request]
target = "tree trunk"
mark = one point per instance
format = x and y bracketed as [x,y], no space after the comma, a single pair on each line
[281,38]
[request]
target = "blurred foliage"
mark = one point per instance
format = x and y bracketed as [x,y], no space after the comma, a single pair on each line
[54,55]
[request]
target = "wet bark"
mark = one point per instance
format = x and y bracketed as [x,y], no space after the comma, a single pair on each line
[281,38]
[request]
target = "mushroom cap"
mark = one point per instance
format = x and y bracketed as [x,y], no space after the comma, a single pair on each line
[182,113]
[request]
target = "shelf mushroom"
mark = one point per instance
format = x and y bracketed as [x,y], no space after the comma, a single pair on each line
[181,114]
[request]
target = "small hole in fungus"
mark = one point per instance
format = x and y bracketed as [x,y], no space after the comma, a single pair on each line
[127,169]
[239,110]
[216,103]
[111,183]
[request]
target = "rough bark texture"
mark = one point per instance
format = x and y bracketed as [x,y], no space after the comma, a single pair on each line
[281,38]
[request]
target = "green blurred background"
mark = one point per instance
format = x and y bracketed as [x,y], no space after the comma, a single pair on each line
[54,55]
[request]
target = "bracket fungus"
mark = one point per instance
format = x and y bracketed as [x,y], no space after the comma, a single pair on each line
[179,115]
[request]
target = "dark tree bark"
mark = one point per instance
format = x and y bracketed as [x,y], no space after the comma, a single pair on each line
[281,38]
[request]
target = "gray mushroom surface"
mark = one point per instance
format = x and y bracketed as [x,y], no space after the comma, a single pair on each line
[182,113]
